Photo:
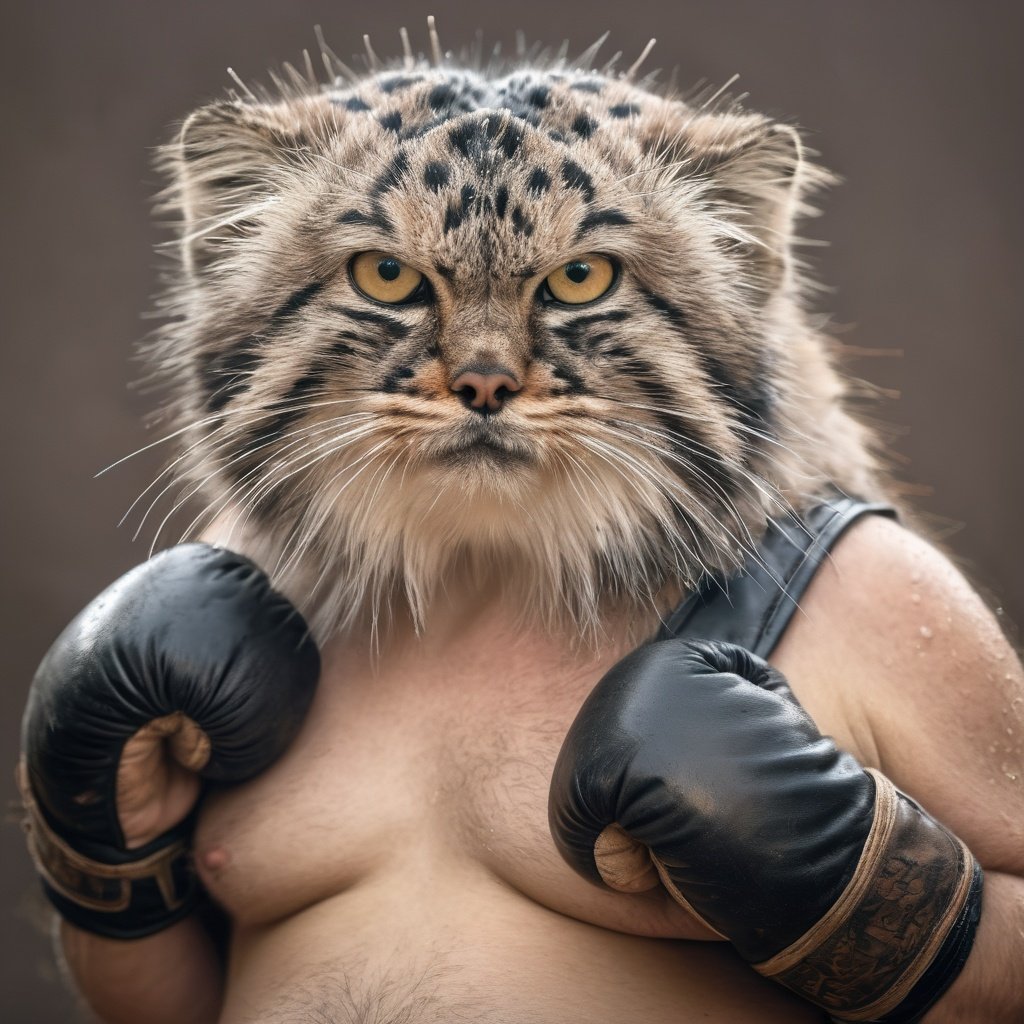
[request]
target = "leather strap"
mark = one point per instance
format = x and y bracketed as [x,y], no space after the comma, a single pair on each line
[753,607]
[864,957]
[133,894]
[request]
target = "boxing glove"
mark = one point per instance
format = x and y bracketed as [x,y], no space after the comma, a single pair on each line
[190,663]
[692,764]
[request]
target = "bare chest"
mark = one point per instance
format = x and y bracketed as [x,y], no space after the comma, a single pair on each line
[438,753]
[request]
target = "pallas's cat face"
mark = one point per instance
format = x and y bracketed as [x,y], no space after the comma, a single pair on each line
[539,322]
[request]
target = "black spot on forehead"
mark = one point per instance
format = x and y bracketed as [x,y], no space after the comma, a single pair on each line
[446,97]
[539,96]
[594,85]
[540,181]
[392,175]
[475,137]
[414,129]
[355,103]
[436,175]
[458,212]
[624,110]
[392,121]
[501,201]
[576,177]
[584,126]
[511,139]
[465,137]
[521,224]
[398,83]
[453,217]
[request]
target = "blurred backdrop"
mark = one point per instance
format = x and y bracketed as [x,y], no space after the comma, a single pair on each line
[916,105]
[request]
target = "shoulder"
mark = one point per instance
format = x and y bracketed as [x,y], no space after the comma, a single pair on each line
[893,640]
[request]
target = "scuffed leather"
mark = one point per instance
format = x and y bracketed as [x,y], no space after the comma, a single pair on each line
[821,874]
[756,818]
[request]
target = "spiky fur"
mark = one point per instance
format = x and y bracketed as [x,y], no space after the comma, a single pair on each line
[656,430]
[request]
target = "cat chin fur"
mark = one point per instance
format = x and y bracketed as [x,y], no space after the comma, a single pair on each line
[565,557]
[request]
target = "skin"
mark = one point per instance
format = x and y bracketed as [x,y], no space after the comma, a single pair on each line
[405,831]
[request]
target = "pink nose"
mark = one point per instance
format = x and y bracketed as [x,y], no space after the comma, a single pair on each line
[485,392]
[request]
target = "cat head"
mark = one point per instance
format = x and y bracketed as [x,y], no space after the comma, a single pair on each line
[543,322]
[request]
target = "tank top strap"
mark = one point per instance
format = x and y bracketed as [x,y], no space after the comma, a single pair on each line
[753,606]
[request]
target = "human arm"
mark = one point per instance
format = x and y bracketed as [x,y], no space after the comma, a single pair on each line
[914,659]
[756,822]
[172,976]
[188,668]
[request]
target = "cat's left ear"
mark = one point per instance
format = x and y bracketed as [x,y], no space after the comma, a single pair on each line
[754,175]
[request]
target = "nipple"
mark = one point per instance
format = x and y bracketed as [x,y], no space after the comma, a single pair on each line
[215,858]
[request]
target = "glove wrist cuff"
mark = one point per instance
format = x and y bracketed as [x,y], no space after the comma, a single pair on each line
[911,886]
[145,891]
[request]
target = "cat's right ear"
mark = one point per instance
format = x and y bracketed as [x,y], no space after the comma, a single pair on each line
[228,163]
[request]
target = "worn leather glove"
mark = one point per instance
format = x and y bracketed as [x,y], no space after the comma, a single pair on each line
[692,763]
[190,666]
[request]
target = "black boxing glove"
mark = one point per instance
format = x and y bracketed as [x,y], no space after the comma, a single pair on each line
[192,650]
[693,763]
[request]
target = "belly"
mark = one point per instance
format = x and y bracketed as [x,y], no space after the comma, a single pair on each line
[437,945]
[396,863]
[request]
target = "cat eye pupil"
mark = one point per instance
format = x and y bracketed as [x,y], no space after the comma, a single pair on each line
[385,278]
[581,280]
[389,268]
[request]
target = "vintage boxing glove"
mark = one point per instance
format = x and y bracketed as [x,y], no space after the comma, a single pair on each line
[693,762]
[192,651]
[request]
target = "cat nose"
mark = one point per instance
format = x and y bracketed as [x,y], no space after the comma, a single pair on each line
[486,390]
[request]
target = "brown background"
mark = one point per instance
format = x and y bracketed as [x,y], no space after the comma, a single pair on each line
[916,104]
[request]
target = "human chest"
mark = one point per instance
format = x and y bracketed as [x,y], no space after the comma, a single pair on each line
[439,746]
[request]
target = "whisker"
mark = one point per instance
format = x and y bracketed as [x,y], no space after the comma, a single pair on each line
[205,439]
[748,546]
[202,483]
[220,462]
[281,474]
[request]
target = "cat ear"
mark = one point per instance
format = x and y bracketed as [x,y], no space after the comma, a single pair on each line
[228,161]
[755,177]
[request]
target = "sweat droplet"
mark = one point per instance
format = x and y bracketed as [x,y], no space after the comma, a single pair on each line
[926,632]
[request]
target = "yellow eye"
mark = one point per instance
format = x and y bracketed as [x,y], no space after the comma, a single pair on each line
[581,280]
[384,277]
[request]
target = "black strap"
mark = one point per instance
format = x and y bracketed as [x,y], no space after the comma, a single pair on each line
[753,606]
